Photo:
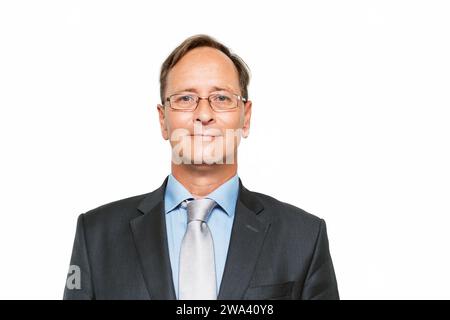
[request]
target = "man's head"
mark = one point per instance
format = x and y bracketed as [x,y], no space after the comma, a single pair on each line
[199,133]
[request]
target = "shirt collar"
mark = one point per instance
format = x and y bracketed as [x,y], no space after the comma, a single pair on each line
[225,195]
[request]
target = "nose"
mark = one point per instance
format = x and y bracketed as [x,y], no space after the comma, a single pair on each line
[204,113]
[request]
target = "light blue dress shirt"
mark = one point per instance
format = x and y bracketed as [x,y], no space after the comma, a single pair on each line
[220,222]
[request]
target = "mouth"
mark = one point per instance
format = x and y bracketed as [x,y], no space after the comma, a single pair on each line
[204,137]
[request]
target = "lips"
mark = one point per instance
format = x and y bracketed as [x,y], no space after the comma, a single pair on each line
[204,137]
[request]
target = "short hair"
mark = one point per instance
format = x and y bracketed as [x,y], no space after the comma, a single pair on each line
[203,40]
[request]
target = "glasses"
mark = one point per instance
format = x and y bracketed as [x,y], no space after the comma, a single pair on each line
[219,101]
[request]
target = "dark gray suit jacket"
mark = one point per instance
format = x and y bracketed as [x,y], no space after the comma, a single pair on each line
[277,251]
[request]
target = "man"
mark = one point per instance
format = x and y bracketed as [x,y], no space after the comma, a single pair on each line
[201,234]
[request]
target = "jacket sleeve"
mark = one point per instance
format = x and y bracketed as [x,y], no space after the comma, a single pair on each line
[79,282]
[320,283]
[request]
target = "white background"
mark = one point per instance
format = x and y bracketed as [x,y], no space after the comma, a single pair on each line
[350,122]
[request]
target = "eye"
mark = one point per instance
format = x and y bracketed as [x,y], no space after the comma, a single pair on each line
[184,98]
[221,98]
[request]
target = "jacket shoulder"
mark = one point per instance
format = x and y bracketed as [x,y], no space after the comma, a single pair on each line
[115,212]
[285,211]
[290,222]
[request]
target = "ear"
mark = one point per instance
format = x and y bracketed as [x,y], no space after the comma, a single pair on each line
[162,121]
[247,117]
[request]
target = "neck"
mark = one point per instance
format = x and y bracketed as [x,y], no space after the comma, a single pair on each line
[202,179]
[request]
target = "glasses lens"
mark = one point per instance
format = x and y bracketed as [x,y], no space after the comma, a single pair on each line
[223,101]
[183,101]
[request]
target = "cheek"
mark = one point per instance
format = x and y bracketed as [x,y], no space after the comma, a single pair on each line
[231,120]
[178,120]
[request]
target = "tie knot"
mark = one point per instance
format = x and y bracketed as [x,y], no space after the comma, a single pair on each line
[200,209]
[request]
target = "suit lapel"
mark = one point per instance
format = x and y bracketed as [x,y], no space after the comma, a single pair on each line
[247,237]
[150,238]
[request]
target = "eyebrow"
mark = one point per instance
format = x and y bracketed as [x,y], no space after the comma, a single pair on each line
[214,88]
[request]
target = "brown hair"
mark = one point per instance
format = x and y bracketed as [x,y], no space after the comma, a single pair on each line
[203,40]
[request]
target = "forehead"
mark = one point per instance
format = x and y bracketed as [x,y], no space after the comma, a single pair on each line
[203,68]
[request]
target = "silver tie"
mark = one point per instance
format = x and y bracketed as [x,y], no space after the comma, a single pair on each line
[197,277]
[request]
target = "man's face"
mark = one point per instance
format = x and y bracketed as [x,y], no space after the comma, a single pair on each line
[204,136]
